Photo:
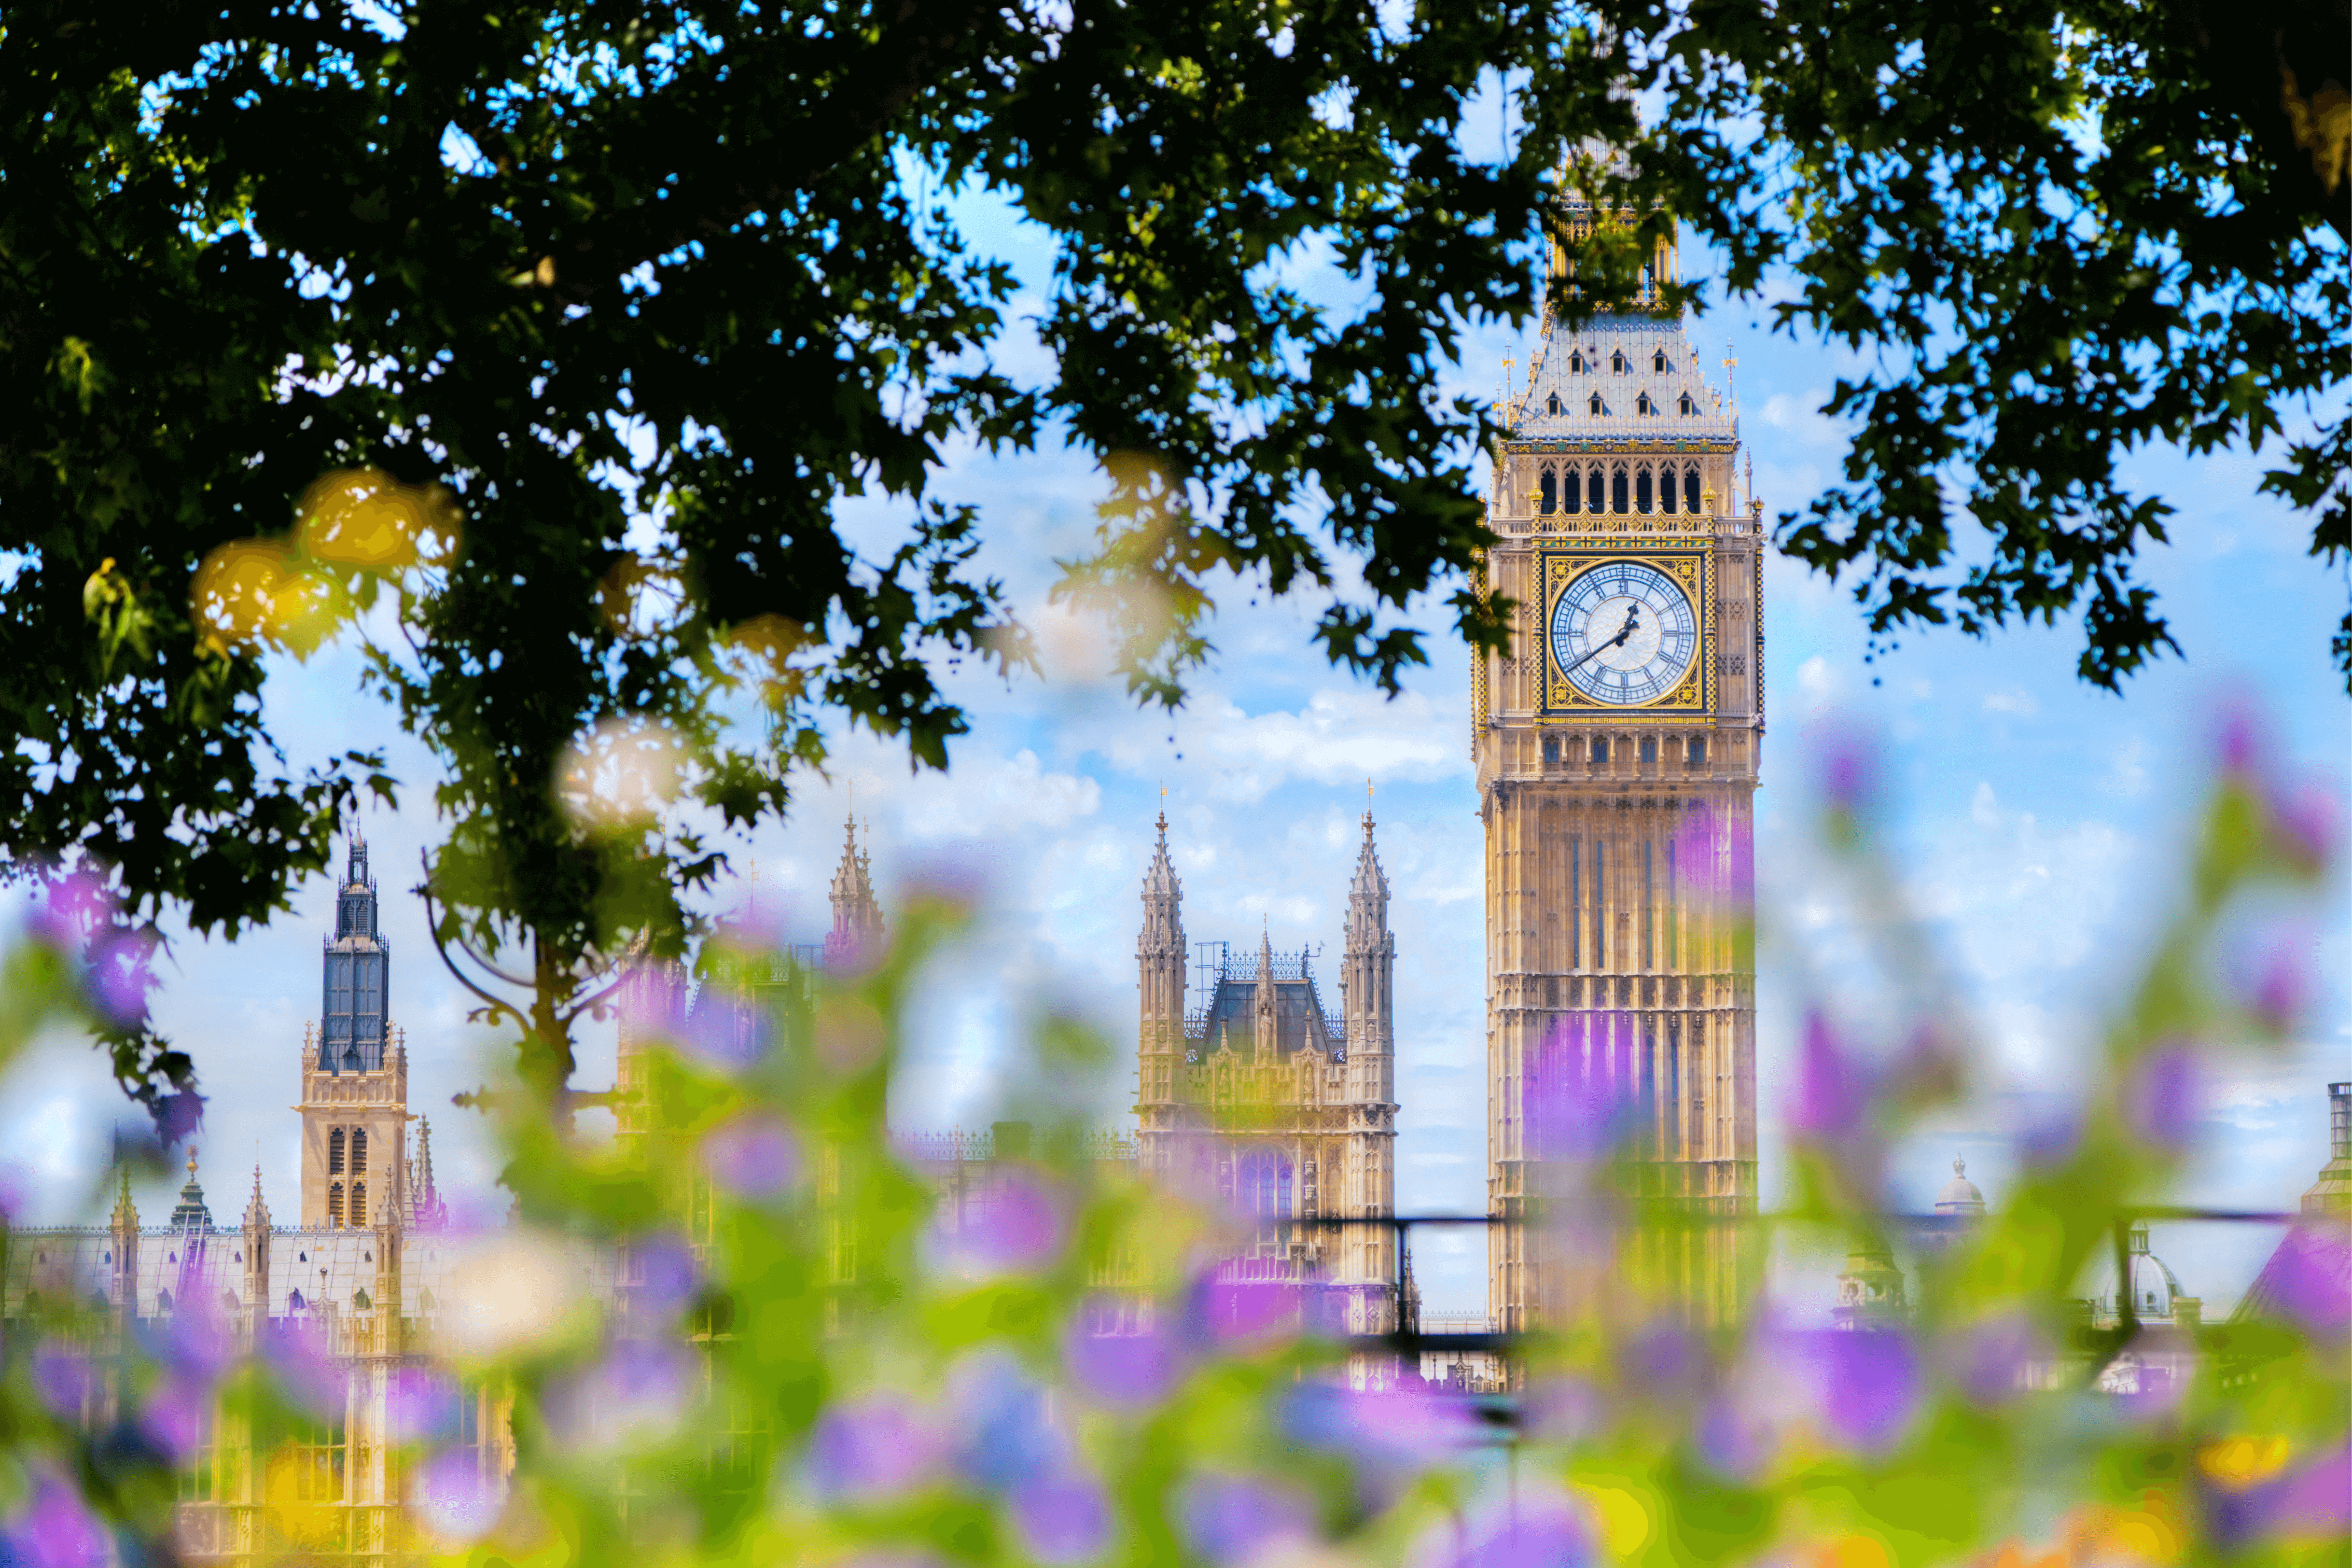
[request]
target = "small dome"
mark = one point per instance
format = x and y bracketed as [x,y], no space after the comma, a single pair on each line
[2153,1285]
[1959,1194]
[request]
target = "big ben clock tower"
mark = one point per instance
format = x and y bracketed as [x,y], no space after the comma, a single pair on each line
[1617,743]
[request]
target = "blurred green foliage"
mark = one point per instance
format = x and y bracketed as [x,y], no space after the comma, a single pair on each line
[803,1359]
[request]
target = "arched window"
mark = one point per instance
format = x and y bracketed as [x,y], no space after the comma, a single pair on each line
[359,1203]
[1665,489]
[1617,360]
[335,1203]
[1575,363]
[1641,496]
[1600,754]
[335,1151]
[1642,405]
[1658,362]
[1593,499]
[1595,404]
[1264,1189]
[359,1151]
[1688,406]
[1549,493]
[1690,489]
[1620,486]
[1571,489]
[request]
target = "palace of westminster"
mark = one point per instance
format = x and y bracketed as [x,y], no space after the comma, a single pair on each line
[1617,740]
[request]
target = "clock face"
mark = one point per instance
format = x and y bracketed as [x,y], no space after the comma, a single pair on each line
[1625,633]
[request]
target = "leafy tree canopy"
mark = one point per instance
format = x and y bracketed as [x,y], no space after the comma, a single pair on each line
[545,340]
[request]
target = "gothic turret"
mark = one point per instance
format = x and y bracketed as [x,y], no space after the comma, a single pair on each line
[1369,980]
[192,1214]
[355,1068]
[427,1211]
[255,1254]
[1160,953]
[1368,1260]
[122,1256]
[354,1020]
[856,918]
[1268,1029]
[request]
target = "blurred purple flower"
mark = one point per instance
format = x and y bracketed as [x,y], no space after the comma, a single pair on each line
[1002,1434]
[2281,980]
[418,1406]
[1666,1360]
[72,906]
[1848,771]
[295,1355]
[121,974]
[662,1278]
[2310,1278]
[1062,1518]
[173,1417]
[2160,1097]
[1234,1309]
[61,1379]
[1406,1428]
[1130,1371]
[1538,1532]
[874,1445]
[1231,1518]
[2306,821]
[1576,1108]
[457,1505]
[1988,1359]
[2312,1500]
[54,1530]
[751,1155]
[1019,1227]
[2240,742]
[1871,1388]
[2050,1134]
[1733,1438]
[1833,1088]
[1563,1409]
[638,1391]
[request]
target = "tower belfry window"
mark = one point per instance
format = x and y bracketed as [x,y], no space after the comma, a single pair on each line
[1690,489]
[1549,493]
[335,1203]
[359,1203]
[1642,491]
[1593,501]
[335,1151]
[359,1151]
[1619,497]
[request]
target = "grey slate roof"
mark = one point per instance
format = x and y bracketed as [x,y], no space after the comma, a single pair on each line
[1572,367]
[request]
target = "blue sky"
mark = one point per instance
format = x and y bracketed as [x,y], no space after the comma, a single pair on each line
[2035,825]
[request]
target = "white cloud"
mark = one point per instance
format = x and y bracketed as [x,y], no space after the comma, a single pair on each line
[2015,702]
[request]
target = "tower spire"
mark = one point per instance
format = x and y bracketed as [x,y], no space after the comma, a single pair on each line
[856,916]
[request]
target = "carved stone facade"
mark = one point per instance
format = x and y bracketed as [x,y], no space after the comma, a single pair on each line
[1618,741]
[1267,1101]
[355,1105]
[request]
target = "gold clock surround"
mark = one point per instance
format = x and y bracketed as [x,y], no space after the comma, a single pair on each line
[1689,562]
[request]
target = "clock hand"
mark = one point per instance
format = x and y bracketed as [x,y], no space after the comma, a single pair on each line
[1633,624]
